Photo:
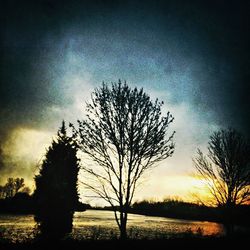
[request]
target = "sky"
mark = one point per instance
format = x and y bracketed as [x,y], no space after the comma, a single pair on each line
[193,55]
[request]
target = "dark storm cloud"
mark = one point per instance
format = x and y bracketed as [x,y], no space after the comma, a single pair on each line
[210,39]
[24,86]
[224,30]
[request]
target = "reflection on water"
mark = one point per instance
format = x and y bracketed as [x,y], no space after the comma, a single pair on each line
[95,224]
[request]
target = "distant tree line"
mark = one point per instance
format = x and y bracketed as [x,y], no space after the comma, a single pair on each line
[15,197]
[172,208]
[12,187]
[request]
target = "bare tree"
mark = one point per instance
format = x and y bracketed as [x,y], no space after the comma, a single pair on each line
[226,168]
[12,187]
[18,184]
[2,192]
[124,135]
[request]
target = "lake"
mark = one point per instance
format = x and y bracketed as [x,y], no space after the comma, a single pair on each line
[100,224]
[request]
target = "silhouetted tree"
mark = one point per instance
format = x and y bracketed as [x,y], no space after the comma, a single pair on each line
[11,188]
[125,135]
[56,194]
[2,192]
[18,184]
[226,171]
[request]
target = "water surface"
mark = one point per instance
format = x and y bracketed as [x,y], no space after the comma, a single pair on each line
[99,224]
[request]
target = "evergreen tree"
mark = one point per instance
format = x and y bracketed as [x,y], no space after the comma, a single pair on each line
[56,194]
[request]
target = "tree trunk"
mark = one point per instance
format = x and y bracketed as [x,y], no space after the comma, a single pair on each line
[123,228]
[229,220]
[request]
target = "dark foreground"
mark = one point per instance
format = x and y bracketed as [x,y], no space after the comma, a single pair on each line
[195,243]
